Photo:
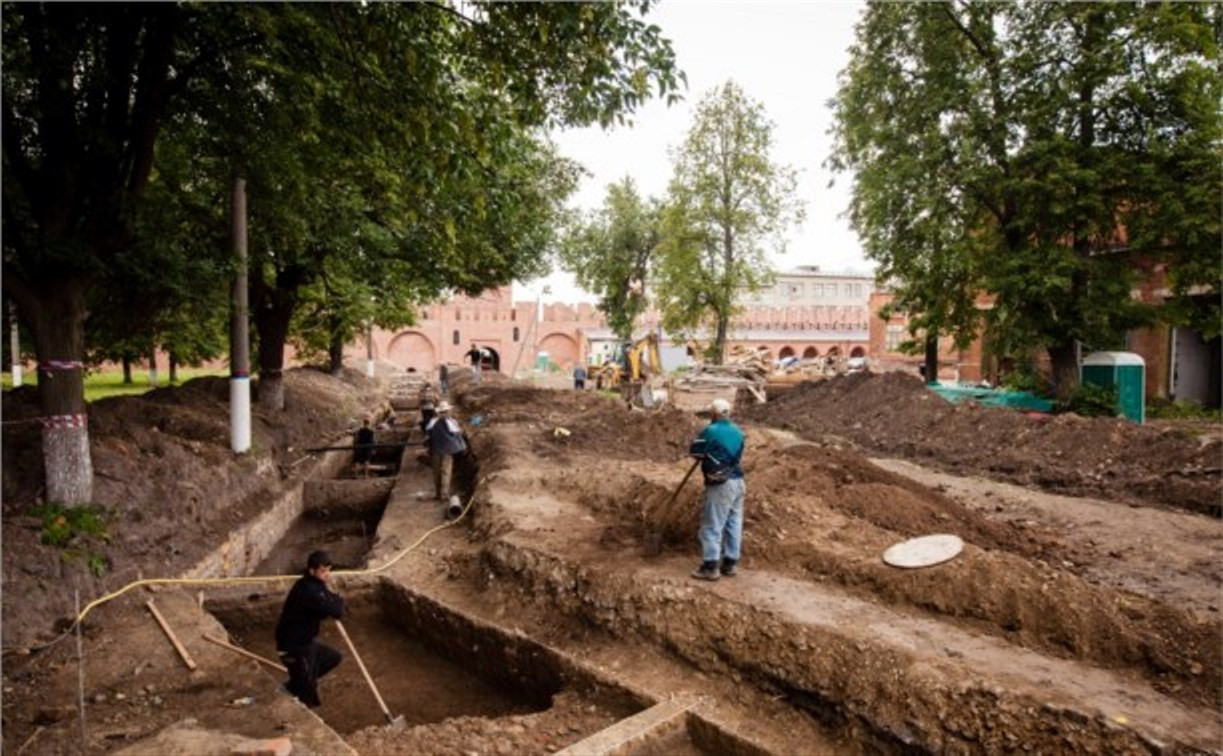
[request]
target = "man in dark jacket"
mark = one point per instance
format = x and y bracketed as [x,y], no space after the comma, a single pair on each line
[309,602]
[476,356]
[362,447]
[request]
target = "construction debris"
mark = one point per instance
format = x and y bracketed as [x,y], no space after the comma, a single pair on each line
[746,371]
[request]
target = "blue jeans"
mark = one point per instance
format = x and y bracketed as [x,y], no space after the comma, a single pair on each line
[721,532]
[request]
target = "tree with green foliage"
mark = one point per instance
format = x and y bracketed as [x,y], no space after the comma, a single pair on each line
[611,252]
[89,88]
[443,186]
[1046,154]
[727,199]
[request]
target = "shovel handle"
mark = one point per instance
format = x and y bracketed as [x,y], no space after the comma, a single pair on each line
[348,641]
[680,487]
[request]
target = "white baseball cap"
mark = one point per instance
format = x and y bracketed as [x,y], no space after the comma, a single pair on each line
[719,407]
[443,406]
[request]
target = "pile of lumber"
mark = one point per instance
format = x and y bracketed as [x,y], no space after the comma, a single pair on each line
[746,370]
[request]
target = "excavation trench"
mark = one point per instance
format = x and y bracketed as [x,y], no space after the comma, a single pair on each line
[434,665]
[426,668]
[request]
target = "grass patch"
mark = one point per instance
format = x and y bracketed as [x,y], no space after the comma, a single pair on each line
[60,524]
[1182,409]
[103,384]
[76,531]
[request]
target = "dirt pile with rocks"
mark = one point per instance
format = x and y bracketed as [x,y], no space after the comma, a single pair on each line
[571,421]
[165,480]
[894,414]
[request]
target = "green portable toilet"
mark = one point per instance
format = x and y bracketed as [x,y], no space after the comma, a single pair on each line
[1125,370]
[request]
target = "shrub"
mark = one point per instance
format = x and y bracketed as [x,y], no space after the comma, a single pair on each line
[1090,400]
[60,524]
[1026,377]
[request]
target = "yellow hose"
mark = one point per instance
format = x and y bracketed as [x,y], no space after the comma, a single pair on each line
[253,579]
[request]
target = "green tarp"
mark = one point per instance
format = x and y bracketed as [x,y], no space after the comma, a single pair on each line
[1021,400]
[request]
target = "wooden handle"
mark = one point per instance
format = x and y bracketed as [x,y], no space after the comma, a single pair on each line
[246,653]
[381,704]
[182,652]
[680,487]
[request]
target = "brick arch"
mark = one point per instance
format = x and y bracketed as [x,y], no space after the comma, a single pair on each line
[810,353]
[562,348]
[833,351]
[412,349]
[857,352]
[786,351]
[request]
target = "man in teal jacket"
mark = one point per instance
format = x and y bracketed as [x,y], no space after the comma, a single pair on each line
[720,449]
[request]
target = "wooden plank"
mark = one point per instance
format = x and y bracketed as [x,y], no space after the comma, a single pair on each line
[246,653]
[182,652]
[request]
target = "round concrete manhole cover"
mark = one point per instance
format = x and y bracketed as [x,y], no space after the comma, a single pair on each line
[924,552]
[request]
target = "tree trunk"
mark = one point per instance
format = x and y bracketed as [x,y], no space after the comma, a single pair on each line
[153,367]
[273,311]
[127,369]
[931,364]
[9,313]
[719,344]
[58,320]
[173,367]
[335,349]
[1065,361]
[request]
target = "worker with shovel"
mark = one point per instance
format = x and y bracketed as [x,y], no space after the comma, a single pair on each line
[720,450]
[309,602]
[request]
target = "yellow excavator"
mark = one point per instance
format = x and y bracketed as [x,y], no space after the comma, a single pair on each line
[633,367]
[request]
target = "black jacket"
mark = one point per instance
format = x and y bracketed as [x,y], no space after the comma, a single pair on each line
[444,436]
[308,603]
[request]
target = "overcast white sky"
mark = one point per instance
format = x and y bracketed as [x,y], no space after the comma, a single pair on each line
[785,55]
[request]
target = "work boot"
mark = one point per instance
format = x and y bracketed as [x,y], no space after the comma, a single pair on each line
[707,571]
[730,567]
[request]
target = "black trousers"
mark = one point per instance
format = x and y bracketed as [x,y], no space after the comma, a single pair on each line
[306,666]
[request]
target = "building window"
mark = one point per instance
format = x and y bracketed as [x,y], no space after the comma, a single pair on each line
[458,313]
[892,337]
[456,337]
[515,333]
[513,314]
[817,291]
[796,291]
[857,290]
[849,290]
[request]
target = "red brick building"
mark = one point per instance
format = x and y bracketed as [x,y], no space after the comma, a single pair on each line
[1180,362]
[886,336]
[513,333]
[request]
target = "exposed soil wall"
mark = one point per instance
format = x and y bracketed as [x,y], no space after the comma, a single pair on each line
[165,475]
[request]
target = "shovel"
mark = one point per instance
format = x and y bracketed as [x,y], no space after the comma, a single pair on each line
[653,536]
[396,723]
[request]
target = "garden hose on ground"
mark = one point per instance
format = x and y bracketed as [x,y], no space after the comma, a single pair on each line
[247,580]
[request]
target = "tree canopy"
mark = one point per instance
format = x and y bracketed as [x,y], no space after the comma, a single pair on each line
[727,199]
[611,252]
[392,141]
[1047,154]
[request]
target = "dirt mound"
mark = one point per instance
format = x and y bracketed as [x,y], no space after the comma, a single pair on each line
[162,466]
[895,414]
[583,421]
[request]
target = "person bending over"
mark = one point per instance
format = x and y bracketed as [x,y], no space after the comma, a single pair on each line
[309,603]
